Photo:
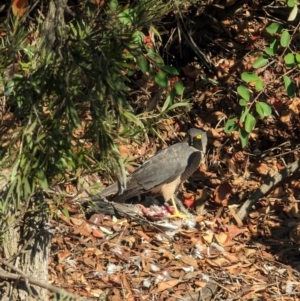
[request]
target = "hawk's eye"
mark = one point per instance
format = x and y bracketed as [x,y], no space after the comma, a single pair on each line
[199,137]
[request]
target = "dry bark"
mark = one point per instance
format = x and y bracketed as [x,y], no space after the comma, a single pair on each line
[26,250]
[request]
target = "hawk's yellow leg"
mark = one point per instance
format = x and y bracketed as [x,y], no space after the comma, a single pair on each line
[177,213]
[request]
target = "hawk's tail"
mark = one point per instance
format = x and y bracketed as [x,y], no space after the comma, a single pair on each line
[112,189]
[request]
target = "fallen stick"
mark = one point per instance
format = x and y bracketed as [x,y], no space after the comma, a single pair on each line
[266,187]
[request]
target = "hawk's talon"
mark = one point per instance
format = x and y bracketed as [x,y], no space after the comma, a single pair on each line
[179,215]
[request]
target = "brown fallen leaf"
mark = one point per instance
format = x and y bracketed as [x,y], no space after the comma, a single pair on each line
[208,237]
[295,234]
[76,221]
[234,230]
[166,285]
[292,209]
[124,151]
[231,257]
[276,192]
[295,105]
[168,255]
[191,71]
[98,2]
[222,238]
[115,278]
[285,116]
[263,168]
[98,233]
[97,292]
[218,262]
[239,181]
[189,260]
[84,229]
[215,117]
[96,218]
[222,194]
[62,255]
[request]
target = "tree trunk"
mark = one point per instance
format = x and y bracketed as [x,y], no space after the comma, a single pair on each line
[26,246]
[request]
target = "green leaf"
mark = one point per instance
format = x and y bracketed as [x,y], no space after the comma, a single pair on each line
[152,72]
[244,114]
[250,123]
[137,38]
[26,187]
[113,4]
[289,86]
[132,118]
[244,92]
[285,38]
[249,77]
[65,212]
[130,72]
[231,125]
[155,32]
[259,110]
[178,104]
[263,109]
[274,45]
[269,51]
[178,86]
[72,113]
[244,137]
[142,63]
[31,128]
[293,13]
[157,59]
[170,69]
[167,103]
[243,102]
[127,16]
[297,57]
[274,28]
[12,188]
[161,79]
[266,108]
[289,60]
[42,180]
[14,171]
[260,62]
[291,3]
[259,85]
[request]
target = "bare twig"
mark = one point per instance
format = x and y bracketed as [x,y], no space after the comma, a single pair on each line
[190,41]
[22,277]
[20,273]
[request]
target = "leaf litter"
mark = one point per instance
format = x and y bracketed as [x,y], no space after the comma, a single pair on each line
[221,257]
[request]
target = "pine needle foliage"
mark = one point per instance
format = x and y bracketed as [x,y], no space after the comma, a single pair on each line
[64,103]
